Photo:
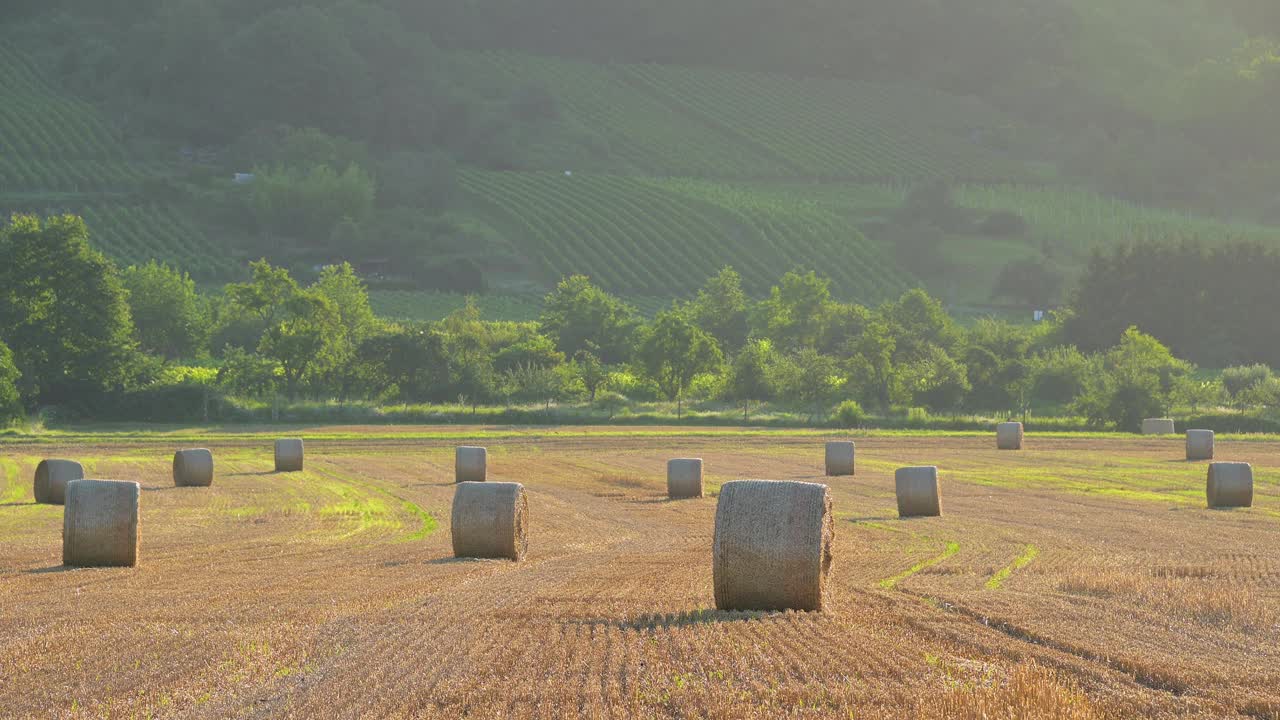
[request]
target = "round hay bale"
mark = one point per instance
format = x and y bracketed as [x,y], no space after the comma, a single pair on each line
[289,455]
[772,548]
[1157,426]
[1230,485]
[52,477]
[918,491]
[193,468]
[490,520]
[470,464]
[840,458]
[100,524]
[1009,436]
[1199,444]
[684,478]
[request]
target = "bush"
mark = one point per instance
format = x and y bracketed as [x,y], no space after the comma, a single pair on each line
[611,402]
[849,414]
[706,386]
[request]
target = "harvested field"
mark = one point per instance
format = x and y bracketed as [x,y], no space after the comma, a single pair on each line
[1081,578]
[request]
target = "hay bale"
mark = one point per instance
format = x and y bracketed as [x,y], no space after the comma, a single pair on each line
[684,478]
[469,464]
[918,491]
[840,457]
[1199,444]
[1230,485]
[100,524]
[52,477]
[490,520]
[289,455]
[1009,436]
[772,547]
[1157,426]
[193,468]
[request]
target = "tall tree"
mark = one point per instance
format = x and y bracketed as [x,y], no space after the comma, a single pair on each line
[63,311]
[307,340]
[721,310]
[10,400]
[171,319]
[750,375]
[578,315]
[797,310]
[673,351]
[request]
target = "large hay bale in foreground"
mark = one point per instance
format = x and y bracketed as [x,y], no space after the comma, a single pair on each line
[1230,485]
[289,455]
[1157,426]
[840,458]
[193,468]
[100,524]
[773,545]
[1199,444]
[490,520]
[684,478]
[1009,436]
[52,477]
[918,491]
[470,464]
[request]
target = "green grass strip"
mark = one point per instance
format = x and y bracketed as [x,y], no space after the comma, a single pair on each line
[1022,561]
[13,490]
[952,549]
[142,432]
[427,520]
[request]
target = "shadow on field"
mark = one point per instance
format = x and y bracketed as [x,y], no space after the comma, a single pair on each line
[51,569]
[872,518]
[654,621]
[664,500]
[18,504]
[255,474]
[461,560]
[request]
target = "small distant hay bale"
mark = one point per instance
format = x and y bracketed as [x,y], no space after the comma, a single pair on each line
[840,458]
[470,464]
[1230,485]
[773,546]
[193,468]
[1199,444]
[918,491]
[289,455]
[490,520]
[52,477]
[1009,436]
[684,478]
[1157,426]
[100,524]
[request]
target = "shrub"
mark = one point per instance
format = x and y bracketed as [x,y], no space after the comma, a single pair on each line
[849,414]
[917,417]
[611,402]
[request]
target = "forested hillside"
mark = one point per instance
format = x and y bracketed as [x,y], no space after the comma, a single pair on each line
[981,150]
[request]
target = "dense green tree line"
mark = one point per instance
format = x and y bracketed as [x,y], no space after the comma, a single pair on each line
[78,330]
[1212,305]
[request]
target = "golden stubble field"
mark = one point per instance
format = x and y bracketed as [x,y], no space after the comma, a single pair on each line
[1078,578]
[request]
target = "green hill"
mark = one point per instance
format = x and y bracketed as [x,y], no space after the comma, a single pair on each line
[54,143]
[647,156]
[646,236]
[704,122]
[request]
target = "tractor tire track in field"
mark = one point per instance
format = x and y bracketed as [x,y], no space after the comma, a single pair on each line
[1166,684]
